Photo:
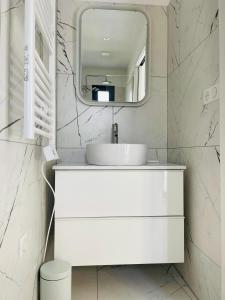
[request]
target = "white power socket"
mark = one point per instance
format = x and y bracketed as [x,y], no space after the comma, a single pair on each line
[211,94]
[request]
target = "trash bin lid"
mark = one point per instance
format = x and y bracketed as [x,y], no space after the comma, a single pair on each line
[55,270]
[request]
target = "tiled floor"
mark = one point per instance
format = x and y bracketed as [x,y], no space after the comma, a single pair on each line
[129,282]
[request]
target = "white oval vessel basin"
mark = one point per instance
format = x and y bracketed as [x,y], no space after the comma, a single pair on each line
[117,154]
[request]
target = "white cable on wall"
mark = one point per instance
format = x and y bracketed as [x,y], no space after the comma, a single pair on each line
[52,214]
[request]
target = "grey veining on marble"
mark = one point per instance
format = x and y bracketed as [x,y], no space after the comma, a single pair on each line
[23,195]
[187,111]
[189,24]
[193,139]
[23,211]
[193,136]
[78,124]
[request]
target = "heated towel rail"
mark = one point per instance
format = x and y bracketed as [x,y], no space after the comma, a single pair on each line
[40,69]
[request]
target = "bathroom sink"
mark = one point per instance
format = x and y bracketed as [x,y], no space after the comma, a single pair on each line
[117,154]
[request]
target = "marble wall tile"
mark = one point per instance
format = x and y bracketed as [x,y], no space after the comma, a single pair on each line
[78,155]
[157,155]
[13,126]
[202,224]
[198,20]
[146,124]
[193,136]
[202,274]
[72,155]
[201,197]
[191,122]
[65,59]
[173,12]
[78,124]
[190,23]
[158,40]
[23,199]
[67,18]
[23,213]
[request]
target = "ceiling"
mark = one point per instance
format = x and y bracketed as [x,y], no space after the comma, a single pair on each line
[123,30]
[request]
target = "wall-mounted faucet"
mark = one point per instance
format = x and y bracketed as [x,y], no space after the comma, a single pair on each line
[115,129]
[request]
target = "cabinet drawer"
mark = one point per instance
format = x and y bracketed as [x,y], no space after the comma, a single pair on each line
[109,193]
[109,241]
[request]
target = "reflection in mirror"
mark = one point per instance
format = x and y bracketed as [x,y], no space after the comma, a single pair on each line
[113,56]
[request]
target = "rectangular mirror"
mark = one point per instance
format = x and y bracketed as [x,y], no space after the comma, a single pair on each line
[113,56]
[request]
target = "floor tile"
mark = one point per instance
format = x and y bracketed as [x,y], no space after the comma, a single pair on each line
[84,283]
[135,282]
[179,294]
[149,282]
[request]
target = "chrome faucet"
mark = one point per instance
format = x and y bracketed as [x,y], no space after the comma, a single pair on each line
[115,133]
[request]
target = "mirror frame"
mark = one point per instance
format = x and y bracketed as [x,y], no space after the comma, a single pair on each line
[78,67]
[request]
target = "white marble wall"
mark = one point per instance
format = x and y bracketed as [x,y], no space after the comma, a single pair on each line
[23,204]
[193,136]
[78,124]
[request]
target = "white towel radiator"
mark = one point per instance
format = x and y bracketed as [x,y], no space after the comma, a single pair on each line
[39,72]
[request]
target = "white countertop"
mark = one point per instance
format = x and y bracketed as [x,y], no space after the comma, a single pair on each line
[149,166]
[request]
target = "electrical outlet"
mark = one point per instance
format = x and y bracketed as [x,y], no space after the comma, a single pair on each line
[211,94]
[23,245]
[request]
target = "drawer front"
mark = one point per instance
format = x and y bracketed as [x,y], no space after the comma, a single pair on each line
[109,193]
[109,241]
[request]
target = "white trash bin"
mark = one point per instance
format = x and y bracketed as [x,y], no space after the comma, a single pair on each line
[55,280]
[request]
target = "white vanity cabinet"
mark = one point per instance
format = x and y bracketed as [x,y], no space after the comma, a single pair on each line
[119,215]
